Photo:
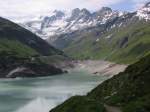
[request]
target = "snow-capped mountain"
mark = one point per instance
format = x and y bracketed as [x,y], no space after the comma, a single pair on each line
[62,22]
[144,12]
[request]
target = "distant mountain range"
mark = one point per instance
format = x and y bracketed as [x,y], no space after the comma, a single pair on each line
[61,22]
[123,39]
[105,34]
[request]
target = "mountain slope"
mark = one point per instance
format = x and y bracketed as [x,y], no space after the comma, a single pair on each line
[123,45]
[20,52]
[80,104]
[106,34]
[12,31]
[122,39]
[128,90]
[60,22]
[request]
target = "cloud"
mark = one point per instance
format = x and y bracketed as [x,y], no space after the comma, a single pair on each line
[22,7]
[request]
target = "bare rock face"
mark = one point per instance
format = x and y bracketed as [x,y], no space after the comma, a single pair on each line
[11,67]
[60,22]
[144,12]
[34,70]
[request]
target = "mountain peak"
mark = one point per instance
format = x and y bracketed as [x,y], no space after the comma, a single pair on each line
[75,13]
[147,4]
[61,22]
[58,13]
[84,10]
[79,13]
[105,9]
[144,12]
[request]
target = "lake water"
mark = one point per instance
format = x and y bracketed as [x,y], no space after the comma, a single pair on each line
[43,94]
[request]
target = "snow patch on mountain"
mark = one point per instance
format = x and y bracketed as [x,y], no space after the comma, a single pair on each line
[62,22]
[144,12]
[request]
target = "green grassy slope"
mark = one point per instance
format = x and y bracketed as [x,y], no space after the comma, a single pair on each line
[14,32]
[129,90]
[19,48]
[16,48]
[14,54]
[80,104]
[125,44]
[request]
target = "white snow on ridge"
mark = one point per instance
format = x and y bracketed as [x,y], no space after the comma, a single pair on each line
[144,13]
[54,25]
[60,22]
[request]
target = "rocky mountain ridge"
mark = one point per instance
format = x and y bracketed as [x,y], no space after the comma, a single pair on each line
[123,39]
[62,22]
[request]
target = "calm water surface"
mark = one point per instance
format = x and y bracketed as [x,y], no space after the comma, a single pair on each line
[43,94]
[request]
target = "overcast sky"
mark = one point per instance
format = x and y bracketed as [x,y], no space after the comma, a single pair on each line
[24,8]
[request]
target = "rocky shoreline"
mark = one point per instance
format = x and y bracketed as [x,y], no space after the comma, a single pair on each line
[13,67]
[98,67]
[127,91]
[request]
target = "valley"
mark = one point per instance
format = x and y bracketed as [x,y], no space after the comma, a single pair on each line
[52,62]
[98,67]
[106,34]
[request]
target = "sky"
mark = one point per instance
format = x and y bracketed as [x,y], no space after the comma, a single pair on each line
[15,9]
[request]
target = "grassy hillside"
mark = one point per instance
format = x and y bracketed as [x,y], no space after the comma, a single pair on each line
[16,48]
[12,32]
[125,44]
[20,51]
[128,90]
[80,104]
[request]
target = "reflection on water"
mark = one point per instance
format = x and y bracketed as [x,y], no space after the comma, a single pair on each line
[43,94]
